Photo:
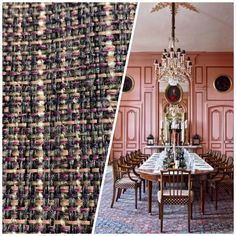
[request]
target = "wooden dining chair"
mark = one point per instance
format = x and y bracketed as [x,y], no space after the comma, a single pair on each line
[217,164]
[140,159]
[175,191]
[129,159]
[122,180]
[131,168]
[142,155]
[137,158]
[222,180]
[214,157]
[208,154]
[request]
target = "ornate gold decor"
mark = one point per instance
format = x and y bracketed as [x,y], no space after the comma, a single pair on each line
[174,120]
[175,111]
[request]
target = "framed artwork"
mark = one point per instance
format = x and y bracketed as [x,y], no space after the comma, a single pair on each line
[223,83]
[173,94]
[128,84]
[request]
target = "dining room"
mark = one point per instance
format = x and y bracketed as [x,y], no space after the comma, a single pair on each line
[170,168]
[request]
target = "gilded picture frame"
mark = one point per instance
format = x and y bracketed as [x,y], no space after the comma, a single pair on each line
[173,94]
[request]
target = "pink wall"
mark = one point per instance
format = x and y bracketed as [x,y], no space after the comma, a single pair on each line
[210,113]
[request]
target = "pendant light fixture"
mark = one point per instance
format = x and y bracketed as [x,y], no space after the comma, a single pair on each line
[175,67]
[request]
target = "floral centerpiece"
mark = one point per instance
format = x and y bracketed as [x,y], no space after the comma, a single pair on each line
[174,158]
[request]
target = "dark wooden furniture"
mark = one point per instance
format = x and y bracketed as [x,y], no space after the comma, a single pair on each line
[175,189]
[222,179]
[123,180]
[154,176]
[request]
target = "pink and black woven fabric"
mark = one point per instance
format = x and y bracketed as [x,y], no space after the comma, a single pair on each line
[62,70]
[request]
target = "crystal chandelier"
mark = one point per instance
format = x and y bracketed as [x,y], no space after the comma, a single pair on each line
[174,67]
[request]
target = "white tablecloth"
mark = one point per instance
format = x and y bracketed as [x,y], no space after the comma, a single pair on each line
[155,163]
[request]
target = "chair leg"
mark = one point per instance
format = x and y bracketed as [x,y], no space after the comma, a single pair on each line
[140,192]
[162,212]
[159,208]
[207,187]
[144,185]
[136,196]
[114,196]
[191,211]
[189,215]
[216,197]
[118,194]
[211,194]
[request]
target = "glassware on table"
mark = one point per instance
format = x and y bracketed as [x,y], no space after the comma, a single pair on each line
[190,162]
[177,164]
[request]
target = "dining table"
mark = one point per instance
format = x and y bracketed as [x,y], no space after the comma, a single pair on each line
[150,170]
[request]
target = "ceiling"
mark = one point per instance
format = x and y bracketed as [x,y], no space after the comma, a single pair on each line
[210,30]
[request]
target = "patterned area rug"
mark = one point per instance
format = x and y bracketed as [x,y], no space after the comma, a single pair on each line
[124,218]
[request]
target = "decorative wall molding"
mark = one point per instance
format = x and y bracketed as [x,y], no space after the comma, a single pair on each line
[212,72]
[204,63]
[199,113]
[148,75]
[199,75]
[118,135]
[147,115]
[135,94]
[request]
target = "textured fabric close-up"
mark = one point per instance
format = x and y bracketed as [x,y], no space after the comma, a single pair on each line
[62,69]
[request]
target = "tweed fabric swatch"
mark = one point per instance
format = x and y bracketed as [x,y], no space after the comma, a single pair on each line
[62,70]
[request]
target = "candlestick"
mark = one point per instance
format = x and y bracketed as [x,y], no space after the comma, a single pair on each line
[174,151]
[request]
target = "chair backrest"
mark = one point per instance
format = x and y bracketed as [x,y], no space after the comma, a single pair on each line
[121,163]
[121,160]
[214,153]
[127,157]
[115,170]
[132,155]
[210,152]
[230,166]
[230,161]
[224,159]
[218,154]
[175,182]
